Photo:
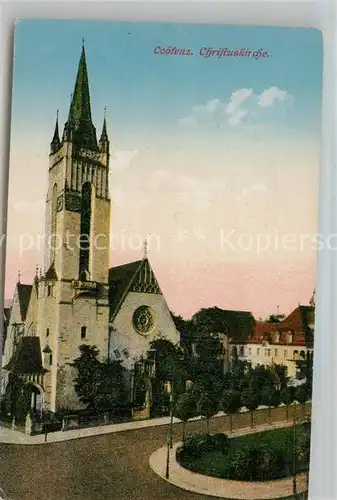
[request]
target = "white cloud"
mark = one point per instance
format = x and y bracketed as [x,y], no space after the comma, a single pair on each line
[237,98]
[188,120]
[244,107]
[236,117]
[201,113]
[269,96]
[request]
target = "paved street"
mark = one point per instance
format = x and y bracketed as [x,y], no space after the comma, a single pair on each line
[111,466]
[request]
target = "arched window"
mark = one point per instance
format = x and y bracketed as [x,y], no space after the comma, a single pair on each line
[83,332]
[53,228]
[85,230]
[302,355]
[296,356]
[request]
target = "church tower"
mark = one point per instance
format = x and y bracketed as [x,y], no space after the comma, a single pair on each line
[73,293]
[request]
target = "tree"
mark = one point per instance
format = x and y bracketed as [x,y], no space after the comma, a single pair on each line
[267,398]
[207,407]
[275,318]
[281,372]
[169,361]
[301,395]
[185,408]
[287,397]
[251,400]
[99,386]
[235,378]
[305,367]
[231,403]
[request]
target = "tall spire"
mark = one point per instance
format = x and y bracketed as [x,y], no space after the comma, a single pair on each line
[55,143]
[84,133]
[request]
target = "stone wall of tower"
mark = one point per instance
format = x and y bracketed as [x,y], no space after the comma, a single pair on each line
[75,160]
[70,228]
[100,244]
[58,168]
[48,333]
[77,310]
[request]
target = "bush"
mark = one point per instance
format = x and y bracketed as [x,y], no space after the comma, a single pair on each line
[221,442]
[265,456]
[240,463]
[198,445]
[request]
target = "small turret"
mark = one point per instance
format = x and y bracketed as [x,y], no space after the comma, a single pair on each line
[104,139]
[55,143]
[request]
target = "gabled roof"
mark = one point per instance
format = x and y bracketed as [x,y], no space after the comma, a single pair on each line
[27,358]
[24,293]
[136,276]
[300,322]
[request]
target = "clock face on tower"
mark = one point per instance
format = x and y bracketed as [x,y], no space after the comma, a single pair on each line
[143,320]
[59,204]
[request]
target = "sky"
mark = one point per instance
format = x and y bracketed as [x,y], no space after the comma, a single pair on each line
[214,159]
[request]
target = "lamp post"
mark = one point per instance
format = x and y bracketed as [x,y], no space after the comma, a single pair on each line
[169,431]
[294,456]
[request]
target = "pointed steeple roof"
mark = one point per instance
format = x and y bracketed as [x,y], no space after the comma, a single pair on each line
[56,143]
[104,134]
[84,132]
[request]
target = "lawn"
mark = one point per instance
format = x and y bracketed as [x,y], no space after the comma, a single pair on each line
[262,456]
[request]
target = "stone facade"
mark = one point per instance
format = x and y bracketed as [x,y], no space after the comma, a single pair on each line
[126,341]
[78,300]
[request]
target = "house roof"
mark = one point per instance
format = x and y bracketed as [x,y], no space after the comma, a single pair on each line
[135,276]
[24,292]
[299,322]
[27,358]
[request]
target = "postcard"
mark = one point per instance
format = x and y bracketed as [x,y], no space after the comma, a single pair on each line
[161,244]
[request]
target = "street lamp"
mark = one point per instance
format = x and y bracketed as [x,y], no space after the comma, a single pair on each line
[294,456]
[169,430]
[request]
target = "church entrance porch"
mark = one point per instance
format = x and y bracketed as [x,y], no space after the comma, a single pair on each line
[34,394]
[142,398]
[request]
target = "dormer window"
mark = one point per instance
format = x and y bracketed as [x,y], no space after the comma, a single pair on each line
[289,338]
[276,337]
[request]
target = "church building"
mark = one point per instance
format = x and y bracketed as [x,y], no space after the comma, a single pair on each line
[79,299]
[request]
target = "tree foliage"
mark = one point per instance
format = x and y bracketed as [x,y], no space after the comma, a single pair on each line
[207,407]
[99,386]
[185,408]
[231,403]
[169,361]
